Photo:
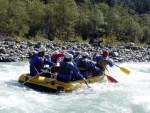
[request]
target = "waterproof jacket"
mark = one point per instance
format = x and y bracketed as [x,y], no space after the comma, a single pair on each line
[102,62]
[85,65]
[55,57]
[67,71]
[37,63]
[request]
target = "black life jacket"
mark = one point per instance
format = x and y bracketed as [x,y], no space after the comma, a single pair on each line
[102,63]
[83,64]
[64,68]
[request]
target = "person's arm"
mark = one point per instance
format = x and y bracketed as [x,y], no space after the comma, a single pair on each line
[63,54]
[75,71]
[60,55]
[95,55]
[91,65]
[96,58]
[110,62]
[48,61]
[33,64]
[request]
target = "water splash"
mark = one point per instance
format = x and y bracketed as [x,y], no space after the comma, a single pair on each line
[130,95]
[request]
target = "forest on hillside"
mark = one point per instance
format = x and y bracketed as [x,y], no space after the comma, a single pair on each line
[110,20]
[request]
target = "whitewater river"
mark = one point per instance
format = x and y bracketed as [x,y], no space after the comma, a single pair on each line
[130,95]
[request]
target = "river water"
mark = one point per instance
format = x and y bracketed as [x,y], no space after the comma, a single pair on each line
[130,95]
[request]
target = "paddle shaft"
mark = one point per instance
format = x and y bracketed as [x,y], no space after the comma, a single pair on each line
[29,80]
[86,83]
[33,76]
[117,65]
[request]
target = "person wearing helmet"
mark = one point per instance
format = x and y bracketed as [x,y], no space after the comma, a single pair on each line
[103,60]
[85,65]
[68,70]
[56,55]
[55,58]
[77,55]
[38,61]
[72,52]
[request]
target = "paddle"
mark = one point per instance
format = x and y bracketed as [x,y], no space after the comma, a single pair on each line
[111,79]
[32,77]
[123,69]
[86,83]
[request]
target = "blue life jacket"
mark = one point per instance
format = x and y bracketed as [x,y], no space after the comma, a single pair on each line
[82,64]
[64,68]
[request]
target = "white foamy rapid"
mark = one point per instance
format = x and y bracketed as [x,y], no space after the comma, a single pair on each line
[130,95]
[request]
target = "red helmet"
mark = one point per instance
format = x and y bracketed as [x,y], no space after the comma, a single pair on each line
[105,53]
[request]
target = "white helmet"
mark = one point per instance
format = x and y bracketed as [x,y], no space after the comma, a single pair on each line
[85,54]
[69,56]
[42,49]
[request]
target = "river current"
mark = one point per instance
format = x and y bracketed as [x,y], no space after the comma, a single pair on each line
[130,95]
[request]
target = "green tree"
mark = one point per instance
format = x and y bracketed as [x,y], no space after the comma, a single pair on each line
[91,20]
[36,13]
[83,20]
[146,6]
[62,18]
[146,35]
[13,19]
[112,19]
[3,15]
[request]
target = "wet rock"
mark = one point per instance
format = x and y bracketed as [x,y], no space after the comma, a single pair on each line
[3,50]
[12,51]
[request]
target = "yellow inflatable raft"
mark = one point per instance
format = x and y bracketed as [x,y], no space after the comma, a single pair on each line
[48,84]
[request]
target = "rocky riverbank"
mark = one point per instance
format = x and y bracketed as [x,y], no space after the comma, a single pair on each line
[13,51]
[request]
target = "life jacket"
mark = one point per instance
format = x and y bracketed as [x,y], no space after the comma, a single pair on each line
[64,68]
[83,64]
[102,63]
[40,64]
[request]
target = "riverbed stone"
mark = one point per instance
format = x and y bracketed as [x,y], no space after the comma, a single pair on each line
[12,51]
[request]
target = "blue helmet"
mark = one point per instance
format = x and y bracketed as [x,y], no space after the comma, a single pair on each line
[72,52]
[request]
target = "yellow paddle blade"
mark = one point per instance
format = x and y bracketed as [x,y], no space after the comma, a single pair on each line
[124,70]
